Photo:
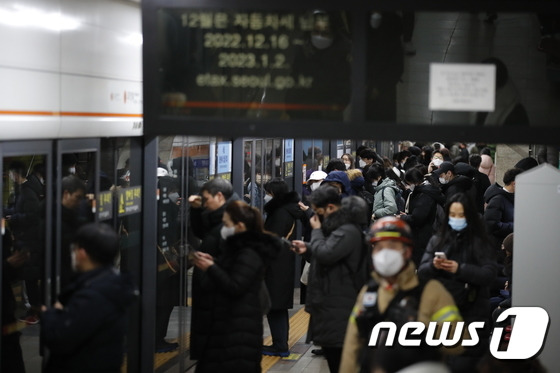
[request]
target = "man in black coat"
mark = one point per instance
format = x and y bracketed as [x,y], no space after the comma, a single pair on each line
[498,215]
[206,214]
[84,331]
[453,183]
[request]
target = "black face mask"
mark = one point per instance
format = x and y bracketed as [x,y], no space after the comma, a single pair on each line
[321,218]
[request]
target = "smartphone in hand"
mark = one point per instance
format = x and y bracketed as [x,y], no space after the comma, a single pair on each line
[440,255]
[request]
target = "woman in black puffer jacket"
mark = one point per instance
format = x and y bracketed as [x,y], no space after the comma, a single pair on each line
[466,271]
[233,329]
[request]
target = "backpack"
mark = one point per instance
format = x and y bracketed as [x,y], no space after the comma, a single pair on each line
[399,199]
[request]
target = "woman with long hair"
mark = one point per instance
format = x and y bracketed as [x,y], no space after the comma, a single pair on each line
[233,328]
[459,256]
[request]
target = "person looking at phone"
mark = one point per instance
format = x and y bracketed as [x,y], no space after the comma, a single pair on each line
[232,328]
[466,270]
[338,262]
[206,212]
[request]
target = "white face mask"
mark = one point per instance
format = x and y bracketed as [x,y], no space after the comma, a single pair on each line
[72,170]
[411,187]
[347,164]
[362,163]
[374,184]
[388,262]
[226,232]
[437,162]
[442,180]
[315,186]
[321,42]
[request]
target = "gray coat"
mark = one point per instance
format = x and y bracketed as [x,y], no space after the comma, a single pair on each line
[336,274]
[384,203]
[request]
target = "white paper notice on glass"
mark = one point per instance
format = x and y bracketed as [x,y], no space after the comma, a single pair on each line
[462,87]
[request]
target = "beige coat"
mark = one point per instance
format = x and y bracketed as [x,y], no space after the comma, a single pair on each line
[436,304]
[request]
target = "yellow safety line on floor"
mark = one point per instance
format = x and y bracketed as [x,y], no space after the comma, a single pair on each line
[298,327]
[164,357]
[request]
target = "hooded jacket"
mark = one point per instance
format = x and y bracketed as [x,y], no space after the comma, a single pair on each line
[231,337]
[337,255]
[384,203]
[342,178]
[498,215]
[282,214]
[88,334]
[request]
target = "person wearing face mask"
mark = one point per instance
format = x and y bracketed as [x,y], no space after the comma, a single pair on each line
[232,328]
[84,330]
[206,211]
[386,192]
[348,160]
[367,158]
[452,183]
[313,183]
[436,161]
[460,257]
[396,294]
[338,262]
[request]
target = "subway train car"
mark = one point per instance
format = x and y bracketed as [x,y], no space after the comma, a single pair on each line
[70,103]
[145,101]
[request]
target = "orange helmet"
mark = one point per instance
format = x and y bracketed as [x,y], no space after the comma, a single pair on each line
[390,228]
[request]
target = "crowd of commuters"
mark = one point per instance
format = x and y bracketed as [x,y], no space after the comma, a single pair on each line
[426,236]
[434,249]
